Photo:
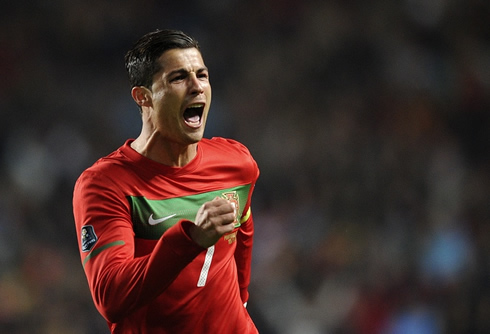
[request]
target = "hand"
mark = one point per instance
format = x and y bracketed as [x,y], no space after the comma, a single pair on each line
[214,219]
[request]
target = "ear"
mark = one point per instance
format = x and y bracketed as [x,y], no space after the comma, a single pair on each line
[142,96]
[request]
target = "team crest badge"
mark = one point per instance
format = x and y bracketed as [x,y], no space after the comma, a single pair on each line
[232,196]
[88,238]
[231,238]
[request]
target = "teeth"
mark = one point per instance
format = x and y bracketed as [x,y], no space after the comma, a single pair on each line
[197,105]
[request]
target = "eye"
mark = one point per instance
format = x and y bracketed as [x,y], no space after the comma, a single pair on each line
[203,75]
[177,78]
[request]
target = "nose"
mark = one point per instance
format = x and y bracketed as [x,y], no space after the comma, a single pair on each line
[195,85]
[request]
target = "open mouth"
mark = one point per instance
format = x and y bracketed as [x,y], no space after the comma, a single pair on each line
[193,115]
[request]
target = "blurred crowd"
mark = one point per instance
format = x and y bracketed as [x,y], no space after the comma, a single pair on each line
[369,120]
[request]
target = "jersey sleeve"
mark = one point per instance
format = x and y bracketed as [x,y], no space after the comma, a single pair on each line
[119,282]
[243,252]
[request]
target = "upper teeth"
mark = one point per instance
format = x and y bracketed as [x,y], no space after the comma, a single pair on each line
[198,105]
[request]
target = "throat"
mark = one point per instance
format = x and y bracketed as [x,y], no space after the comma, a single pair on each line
[165,152]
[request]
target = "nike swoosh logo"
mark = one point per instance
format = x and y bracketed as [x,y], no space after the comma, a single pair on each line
[153,221]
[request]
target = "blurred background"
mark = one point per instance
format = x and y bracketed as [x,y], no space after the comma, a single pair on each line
[369,121]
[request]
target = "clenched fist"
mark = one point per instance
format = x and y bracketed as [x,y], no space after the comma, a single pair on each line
[214,219]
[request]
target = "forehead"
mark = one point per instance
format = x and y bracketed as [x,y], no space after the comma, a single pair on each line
[175,59]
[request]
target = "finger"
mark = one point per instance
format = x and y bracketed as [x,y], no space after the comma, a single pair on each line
[202,216]
[221,201]
[220,207]
[225,227]
[219,219]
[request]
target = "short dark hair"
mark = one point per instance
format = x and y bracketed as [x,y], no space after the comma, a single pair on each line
[141,61]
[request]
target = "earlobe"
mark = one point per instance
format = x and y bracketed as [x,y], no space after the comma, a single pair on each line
[141,95]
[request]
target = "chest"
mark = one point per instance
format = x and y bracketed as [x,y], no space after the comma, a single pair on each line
[151,217]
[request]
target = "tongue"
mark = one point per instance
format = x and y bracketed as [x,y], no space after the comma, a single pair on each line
[192,119]
[192,115]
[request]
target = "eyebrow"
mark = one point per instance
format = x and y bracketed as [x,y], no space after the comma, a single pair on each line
[184,71]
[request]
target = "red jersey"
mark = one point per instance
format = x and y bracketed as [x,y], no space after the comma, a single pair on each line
[145,273]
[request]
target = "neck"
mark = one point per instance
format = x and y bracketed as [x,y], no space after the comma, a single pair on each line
[165,152]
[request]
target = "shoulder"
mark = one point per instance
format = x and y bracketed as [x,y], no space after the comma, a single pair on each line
[225,145]
[228,154]
[105,171]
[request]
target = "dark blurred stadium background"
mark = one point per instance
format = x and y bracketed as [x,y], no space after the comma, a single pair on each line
[369,121]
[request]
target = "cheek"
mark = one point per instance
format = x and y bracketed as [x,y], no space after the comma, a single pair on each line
[168,109]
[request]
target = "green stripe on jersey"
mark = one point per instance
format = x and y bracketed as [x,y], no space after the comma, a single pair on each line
[151,218]
[98,250]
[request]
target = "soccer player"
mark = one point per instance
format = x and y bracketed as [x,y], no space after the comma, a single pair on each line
[164,222]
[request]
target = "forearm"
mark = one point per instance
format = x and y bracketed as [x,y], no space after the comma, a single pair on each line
[121,286]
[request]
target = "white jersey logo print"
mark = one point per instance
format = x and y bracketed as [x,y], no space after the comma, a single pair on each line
[153,221]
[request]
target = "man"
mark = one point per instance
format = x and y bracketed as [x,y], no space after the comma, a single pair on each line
[164,222]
